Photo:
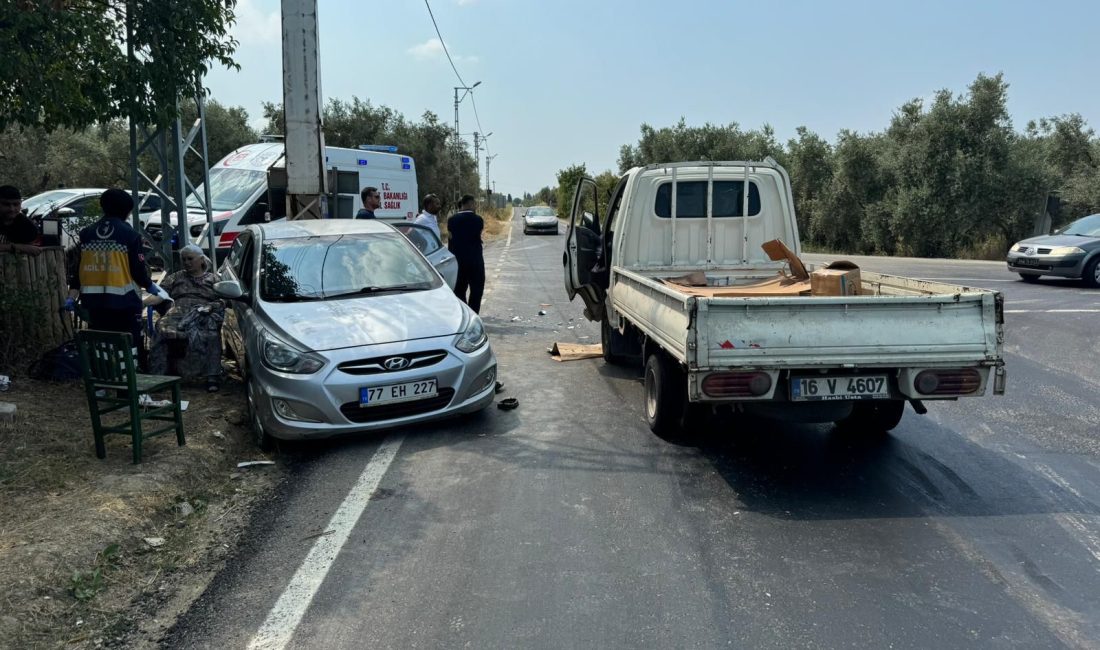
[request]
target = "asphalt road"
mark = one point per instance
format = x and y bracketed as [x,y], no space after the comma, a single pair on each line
[567,524]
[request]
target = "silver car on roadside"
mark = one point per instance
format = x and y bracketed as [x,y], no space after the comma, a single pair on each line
[341,326]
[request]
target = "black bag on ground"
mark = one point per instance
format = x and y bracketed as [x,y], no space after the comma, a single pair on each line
[59,364]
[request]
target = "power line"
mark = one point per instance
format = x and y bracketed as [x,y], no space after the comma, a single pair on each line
[441,42]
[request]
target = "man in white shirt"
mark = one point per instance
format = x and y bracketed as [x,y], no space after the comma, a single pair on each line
[429,216]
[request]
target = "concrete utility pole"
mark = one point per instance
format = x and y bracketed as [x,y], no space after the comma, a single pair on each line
[306,191]
[477,150]
[466,90]
[488,186]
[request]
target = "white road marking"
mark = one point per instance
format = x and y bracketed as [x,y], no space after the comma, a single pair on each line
[286,614]
[967,280]
[1052,311]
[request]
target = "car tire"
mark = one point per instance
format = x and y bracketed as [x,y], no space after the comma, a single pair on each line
[1091,275]
[1027,277]
[873,416]
[262,439]
[666,400]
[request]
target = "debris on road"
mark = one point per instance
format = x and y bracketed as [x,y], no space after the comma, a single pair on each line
[253,463]
[516,319]
[542,312]
[508,404]
[7,412]
[499,388]
[575,351]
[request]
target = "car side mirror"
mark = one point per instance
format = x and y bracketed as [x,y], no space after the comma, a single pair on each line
[229,289]
[64,212]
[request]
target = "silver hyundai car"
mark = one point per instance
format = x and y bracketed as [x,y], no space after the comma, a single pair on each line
[341,326]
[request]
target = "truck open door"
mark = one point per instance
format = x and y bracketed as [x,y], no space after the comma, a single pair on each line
[582,247]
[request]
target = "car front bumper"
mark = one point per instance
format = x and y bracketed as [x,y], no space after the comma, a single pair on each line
[536,226]
[326,404]
[1066,267]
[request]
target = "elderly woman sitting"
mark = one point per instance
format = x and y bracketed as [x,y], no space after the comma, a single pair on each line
[193,322]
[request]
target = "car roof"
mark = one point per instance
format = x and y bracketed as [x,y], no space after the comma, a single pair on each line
[285,229]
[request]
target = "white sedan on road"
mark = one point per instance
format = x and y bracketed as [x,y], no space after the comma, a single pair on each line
[341,326]
[540,219]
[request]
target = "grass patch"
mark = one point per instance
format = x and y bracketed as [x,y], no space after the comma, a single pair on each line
[74,565]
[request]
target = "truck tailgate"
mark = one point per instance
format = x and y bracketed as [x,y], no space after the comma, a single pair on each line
[854,331]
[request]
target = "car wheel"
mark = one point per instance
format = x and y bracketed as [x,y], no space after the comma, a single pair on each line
[264,441]
[1028,277]
[875,416]
[1091,275]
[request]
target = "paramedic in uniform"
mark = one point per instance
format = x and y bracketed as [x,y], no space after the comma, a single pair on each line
[465,227]
[112,270]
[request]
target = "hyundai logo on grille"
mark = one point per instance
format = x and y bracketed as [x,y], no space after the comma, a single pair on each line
[396,363]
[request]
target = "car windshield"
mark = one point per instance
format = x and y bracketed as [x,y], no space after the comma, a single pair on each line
[541,212]
[39,201]
[1086,226]
[338,266]
[230,187]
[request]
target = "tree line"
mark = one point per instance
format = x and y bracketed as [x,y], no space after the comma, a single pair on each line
[38,158]
[950,179]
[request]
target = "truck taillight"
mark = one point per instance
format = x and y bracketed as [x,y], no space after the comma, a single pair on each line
[737,384]
[948,381]
[227,238]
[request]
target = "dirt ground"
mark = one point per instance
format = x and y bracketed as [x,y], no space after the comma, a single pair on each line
[105,553]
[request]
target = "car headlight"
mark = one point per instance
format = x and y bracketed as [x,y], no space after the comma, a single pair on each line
[474,337]
[1066,251]
[277,355]
[1019,248]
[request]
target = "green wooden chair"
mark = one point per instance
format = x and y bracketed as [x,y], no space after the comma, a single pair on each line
[107,362]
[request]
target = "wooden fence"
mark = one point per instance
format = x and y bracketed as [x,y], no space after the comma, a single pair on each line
[32,297]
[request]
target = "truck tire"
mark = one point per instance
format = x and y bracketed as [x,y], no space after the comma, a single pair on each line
[666,400]
[875,416]
[611,342]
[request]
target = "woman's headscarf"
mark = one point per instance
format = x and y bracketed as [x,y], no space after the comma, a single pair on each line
[195,249]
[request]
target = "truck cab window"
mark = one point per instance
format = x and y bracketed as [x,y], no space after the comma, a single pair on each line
[691,199]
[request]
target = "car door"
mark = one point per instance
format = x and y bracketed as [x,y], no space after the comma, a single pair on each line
[426,241]
[239,266]
[582,248]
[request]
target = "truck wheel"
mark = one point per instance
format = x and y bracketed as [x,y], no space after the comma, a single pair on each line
[1091,274]
[876,416]
[611,340]
[666,402]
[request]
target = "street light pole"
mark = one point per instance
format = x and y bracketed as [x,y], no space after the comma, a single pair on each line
[465,91]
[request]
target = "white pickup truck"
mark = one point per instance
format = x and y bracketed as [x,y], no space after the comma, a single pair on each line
[850,359]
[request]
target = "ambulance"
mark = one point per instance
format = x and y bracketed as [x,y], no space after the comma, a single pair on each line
[249,186]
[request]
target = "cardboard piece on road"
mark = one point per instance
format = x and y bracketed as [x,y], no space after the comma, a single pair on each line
[575,351]
[777,250]
[840,278]
[779,286]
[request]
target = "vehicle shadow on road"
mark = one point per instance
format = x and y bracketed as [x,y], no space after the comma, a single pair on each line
[922,469]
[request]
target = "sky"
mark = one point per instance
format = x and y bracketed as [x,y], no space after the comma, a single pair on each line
[566,82]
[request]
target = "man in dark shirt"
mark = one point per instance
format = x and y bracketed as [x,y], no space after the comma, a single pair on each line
[465,227]
[371,202]
[17,232]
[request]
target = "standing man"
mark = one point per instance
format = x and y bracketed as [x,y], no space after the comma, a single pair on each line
[112,269]
[17,232]
[465,227]
[429,216]
[372,200]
